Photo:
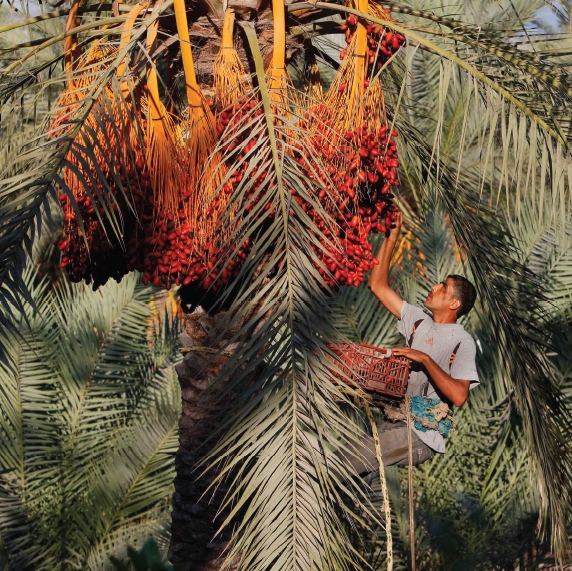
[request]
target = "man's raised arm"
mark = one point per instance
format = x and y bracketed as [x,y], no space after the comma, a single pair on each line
[378,279]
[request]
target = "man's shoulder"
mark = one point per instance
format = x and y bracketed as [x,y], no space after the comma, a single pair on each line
[463,337]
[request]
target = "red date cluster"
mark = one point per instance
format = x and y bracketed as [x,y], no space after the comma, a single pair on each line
[231,122]
[382,42]
[173,257]
[95,253]
[166,255]
[362,169]
[163,246]
[358,170]
[349,174]
[167,247]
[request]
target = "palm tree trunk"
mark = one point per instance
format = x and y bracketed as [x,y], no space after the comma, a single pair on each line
[193,527]
[206,35]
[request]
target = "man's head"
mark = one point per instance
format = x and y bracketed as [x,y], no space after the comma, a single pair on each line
[454,296]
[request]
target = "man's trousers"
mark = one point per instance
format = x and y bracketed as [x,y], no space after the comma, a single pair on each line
[394,448]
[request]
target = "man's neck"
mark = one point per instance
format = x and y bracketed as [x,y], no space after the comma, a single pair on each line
[446,317]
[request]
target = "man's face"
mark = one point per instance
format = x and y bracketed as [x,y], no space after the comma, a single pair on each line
[441,297]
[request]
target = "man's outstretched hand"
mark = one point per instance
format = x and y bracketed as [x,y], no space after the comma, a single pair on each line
[413,354]
[378,279]
[394,230]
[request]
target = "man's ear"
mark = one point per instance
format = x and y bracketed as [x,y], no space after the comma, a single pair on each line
[455,304]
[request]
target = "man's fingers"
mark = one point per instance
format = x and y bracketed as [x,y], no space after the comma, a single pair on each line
[398,221]
[404,352]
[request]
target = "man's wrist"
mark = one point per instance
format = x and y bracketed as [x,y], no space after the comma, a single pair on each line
[426,360]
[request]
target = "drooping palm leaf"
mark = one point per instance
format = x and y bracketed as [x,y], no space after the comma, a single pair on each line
[278,443]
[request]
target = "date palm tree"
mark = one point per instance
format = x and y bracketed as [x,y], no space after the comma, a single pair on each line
[495,139]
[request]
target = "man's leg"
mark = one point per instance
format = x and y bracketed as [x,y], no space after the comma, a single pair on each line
[394,448]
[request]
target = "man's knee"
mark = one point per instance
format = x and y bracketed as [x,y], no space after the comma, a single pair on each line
[420,453]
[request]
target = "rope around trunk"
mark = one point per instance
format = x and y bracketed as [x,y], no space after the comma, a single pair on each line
[383,482]
[411,503]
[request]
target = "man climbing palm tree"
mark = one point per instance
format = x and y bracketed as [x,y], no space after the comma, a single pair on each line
[443,363]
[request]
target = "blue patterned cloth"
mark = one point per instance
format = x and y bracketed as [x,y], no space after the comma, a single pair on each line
[422,409]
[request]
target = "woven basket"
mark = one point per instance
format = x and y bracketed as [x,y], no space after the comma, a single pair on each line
[373,369]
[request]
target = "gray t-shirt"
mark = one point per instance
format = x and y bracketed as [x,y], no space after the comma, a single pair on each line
[440,341]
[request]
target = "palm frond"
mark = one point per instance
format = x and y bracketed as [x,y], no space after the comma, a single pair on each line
[290,492]
[135,481]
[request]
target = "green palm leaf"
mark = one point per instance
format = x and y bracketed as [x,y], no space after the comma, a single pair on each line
[278,443]
[89,425]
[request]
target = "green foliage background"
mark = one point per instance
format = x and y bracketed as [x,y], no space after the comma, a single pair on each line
[89,401]
[88,415]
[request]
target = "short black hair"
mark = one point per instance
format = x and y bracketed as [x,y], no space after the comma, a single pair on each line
[465,292]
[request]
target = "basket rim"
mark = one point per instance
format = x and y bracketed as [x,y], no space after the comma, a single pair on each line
[363,345]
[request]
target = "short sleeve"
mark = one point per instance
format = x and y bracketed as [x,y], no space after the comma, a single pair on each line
[410,314]
[464,366]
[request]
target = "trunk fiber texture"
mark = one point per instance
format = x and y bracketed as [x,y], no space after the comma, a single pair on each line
[194,518]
